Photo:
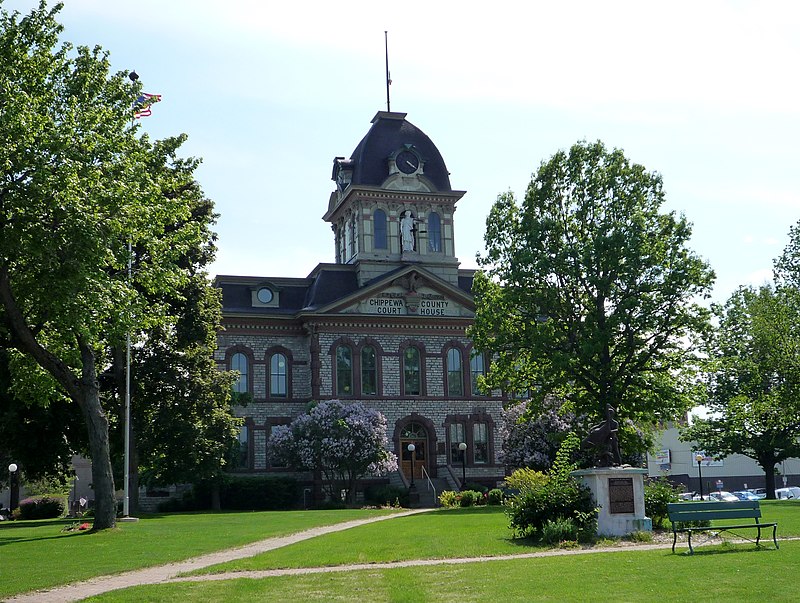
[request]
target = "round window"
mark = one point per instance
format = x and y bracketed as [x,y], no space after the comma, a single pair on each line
[264,295]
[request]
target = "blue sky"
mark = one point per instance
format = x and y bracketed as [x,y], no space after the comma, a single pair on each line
[706,93]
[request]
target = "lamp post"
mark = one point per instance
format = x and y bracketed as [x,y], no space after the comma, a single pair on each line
[462,447]
[13,480]
[412,449]
[699,459]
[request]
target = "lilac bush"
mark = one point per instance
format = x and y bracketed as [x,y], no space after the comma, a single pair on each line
[344,441]
[533,441]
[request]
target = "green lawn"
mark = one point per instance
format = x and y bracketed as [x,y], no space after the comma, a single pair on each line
[742,574]
[445,533]
[36,554]
[31,548]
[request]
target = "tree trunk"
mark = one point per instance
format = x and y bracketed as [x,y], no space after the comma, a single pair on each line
[85,392]
[769,475]
[105,501]
[216,502]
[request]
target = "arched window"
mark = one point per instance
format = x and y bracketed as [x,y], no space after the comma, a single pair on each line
[369,371]
[412,377]
[379,227]
[239,363]
[344,371]
[455,377]
[278,376]
[477,368]
[434,232]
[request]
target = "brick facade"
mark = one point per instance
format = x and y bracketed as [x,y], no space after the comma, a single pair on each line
[402,298]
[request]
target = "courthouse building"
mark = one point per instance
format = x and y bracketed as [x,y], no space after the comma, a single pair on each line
[383,324]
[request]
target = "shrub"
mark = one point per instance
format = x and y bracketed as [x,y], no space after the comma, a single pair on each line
[40,507]
[522,479]
[657,493]
[475,487]
[495,497]
[448,498]
[640,536]
[470,498]
[554,498]
[554,532]
[386,495]
[249,494]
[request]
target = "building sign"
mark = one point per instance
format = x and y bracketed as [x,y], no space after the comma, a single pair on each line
[408,303]
[708,461]
[662,457]
[387,303]
[620,495]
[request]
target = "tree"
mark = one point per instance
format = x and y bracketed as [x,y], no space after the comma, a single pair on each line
[753,380]
[181,403]
[40,436]
[77,186]
[342,441]
[588,290]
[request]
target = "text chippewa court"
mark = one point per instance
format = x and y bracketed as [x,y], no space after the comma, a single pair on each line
[395,303]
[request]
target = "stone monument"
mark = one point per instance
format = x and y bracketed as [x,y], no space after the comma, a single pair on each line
[618,490]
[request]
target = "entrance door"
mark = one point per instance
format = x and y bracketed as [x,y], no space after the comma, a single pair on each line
[412,462]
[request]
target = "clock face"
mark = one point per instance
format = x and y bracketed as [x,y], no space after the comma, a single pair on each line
[407,162]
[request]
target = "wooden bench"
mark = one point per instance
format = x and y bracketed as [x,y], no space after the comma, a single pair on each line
[682,512]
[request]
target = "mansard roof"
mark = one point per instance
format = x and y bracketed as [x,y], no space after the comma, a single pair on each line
[390,132]
[323,288]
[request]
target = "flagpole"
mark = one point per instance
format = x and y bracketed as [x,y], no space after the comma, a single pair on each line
[388,78]
[126,502]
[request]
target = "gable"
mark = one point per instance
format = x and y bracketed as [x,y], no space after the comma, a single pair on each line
[411,293]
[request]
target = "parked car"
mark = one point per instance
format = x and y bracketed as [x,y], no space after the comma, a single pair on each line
[790,493]
[689,496]
[722,496]
[760,493]
[746,495]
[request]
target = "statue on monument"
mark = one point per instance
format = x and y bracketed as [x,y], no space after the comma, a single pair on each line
[603,442]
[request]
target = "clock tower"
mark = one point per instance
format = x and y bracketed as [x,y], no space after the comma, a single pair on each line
[393,204]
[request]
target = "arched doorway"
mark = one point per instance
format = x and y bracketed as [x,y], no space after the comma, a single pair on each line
[413,462]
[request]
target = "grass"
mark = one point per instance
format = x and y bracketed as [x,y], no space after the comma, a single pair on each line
[626,574]
[29,549]
[446,533]
[441,534]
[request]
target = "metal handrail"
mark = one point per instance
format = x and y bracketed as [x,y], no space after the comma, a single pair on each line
[427,476]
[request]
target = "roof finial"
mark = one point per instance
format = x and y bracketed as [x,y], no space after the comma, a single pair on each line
[388,76]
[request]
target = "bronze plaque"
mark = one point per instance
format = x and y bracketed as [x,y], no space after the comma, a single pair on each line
[620,495]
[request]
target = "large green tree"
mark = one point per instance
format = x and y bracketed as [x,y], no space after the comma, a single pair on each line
[76,186]
[754,380]
[589,290]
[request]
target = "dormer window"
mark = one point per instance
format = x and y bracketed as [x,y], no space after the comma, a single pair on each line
[265,295]
[342,172]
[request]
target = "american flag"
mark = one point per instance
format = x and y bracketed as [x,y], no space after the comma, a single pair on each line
[141,108]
